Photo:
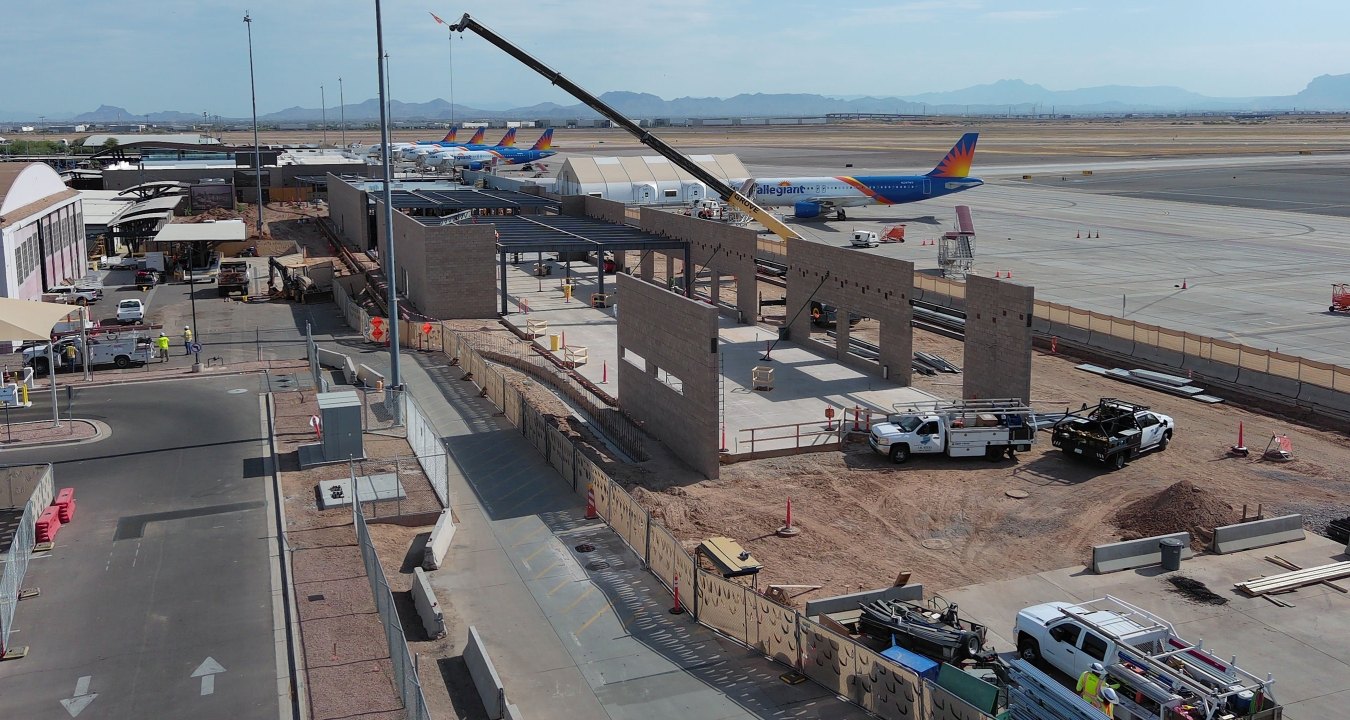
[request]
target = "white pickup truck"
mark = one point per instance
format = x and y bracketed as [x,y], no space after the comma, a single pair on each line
[1154,670]
[121,352]
[76,294]
[974,428]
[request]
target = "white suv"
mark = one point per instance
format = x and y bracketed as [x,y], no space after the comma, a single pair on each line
[130,311]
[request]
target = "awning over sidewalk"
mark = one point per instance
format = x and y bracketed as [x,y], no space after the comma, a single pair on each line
[30,319]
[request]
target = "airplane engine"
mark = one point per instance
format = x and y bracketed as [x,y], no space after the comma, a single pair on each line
[805,209]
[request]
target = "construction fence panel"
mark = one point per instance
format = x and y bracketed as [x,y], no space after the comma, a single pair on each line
[404,675]
[942,704]
[20,548]
[722,605]
[1252,359]
[1099,323]
[511,405]
[663,554]
[774,629]
[827,658]
[431,453]
[604,489]
[493,383]
[534,429]
[629,520]
[1340,379]
[560,453]
[885,688]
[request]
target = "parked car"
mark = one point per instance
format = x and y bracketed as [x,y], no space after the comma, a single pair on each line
[147,278]
[76,295]
[130,311]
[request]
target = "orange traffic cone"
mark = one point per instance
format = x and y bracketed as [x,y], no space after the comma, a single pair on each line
[1099,234]
[1183,283]
[1079,235]
[591,514]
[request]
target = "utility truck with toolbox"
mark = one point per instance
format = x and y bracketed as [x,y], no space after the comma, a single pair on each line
[1112,432]
[122,351]
[970,428]
[1156,673]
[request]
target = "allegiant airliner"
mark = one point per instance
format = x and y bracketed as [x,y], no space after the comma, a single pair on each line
[811,196]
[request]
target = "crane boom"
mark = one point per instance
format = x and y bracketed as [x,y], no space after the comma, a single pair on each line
[732,196]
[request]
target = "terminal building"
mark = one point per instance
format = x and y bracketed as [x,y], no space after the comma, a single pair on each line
[42,237]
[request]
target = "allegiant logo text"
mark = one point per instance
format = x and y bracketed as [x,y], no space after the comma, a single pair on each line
[779,190]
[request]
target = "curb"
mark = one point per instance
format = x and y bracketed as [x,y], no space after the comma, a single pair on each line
[189,376]
[101,432]
[296,687]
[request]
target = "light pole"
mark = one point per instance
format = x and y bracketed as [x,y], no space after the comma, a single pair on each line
[323,114]
[342,112]
[390,272]
[257,153]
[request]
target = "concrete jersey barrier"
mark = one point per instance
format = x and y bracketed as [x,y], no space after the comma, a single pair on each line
[1135,553]
[439,542]
[368,376]
[485,676]
[424,599]
[842,603]
[1258,533]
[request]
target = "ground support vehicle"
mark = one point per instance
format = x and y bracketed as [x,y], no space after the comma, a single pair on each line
[1340,297]
[1157,674]
[865,239]
[122,352]
[958,429]
[1112,432]
[233,277]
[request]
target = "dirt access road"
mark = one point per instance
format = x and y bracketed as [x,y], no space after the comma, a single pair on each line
[951,522]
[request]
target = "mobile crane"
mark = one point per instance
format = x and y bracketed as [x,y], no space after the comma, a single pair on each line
[736,198]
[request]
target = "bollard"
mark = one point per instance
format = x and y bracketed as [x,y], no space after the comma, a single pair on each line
[678,609]
[788,530]
[591,513]
[1054,344]
[604,373]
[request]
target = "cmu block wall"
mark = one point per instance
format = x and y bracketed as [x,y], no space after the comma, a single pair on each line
[348,212]
[724,250]
[862,283]
[678,335]
[451,269]
[574,205]
[998,339]
[607,210]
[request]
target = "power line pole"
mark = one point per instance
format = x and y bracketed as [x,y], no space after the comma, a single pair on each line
[257,153]
[323,114]
[390,272]
[342,112]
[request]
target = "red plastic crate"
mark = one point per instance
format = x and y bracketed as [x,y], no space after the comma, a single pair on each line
[48,524]
[66,512]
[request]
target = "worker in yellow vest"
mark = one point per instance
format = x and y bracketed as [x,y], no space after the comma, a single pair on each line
[187,340]
[1089,683]
[1109,699]
[162,344]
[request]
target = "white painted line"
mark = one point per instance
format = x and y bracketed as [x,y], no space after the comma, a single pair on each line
[208,684]
[75,705]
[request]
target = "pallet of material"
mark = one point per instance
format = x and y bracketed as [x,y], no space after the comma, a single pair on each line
[1285,582]
[1129,376]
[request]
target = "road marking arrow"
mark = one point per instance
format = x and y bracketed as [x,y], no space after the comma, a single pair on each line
[75,705]
[207,671]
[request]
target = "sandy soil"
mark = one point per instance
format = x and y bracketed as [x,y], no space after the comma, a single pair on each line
[950,521]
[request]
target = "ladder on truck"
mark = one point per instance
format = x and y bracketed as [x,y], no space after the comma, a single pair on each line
[1209,678]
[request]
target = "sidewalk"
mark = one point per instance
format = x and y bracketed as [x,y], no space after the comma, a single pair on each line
[572,635]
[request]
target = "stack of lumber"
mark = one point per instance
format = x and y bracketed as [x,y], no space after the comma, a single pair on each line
[1284,582]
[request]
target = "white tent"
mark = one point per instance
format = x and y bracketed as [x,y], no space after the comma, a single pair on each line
[33,320]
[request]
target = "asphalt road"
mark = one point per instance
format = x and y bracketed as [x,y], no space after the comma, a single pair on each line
[165,565]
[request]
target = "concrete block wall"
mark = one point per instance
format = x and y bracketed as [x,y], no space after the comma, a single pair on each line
[607,210]
[861,283]
[348,212]
[451,270]
[727,250]
[998,339]
[679,335]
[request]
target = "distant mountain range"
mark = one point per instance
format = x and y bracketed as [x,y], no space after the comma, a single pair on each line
[1324,93]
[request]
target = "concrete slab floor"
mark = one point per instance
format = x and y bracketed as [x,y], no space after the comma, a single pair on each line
[1304,647]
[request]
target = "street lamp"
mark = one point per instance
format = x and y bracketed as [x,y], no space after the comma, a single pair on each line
[342,112]
[390,274]
[323,114]
[257,153]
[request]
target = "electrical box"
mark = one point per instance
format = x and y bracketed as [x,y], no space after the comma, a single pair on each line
[340,413]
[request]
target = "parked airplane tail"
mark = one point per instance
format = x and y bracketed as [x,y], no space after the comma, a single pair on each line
[545,141]
[509,139]
[957,162]
[477,138]
[450,136]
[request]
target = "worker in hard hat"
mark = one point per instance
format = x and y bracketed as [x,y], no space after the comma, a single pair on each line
[1089,683]
[187,340]
[162,344]
[1109,698]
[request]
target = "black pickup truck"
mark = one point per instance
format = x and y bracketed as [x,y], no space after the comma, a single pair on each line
[1112,432]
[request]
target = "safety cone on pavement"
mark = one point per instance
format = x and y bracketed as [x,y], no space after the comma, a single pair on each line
[1078,235]
[1183,283]
[788,529]
[1239,449]
[591,514]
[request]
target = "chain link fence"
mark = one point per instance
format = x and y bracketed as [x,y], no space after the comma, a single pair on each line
[405,679]
[35,492]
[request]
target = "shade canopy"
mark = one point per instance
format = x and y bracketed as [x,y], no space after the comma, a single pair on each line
[29,319]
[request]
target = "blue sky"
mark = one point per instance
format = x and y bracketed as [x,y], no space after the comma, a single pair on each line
[191,55]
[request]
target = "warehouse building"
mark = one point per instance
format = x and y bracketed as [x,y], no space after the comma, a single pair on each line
[42,240]
[643,180]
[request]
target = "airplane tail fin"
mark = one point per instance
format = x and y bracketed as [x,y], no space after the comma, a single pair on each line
[957,162]
[509,139]
[545,141]
[477,138]
[450,136]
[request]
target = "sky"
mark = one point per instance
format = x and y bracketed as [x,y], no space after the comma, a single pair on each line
[192,55]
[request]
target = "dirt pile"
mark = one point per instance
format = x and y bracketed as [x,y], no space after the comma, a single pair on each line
[1179,506]
[211,215]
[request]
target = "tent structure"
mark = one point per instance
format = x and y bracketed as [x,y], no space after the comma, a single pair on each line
[31,320]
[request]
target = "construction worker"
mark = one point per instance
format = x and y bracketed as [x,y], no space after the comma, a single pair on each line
[187,340]
[70,356]
[1109,699]
[162,343]
[1089,683]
